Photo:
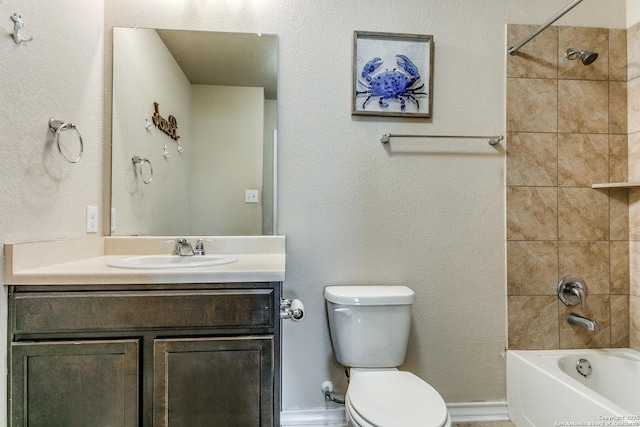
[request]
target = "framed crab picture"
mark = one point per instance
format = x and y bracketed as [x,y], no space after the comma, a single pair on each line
[392,74]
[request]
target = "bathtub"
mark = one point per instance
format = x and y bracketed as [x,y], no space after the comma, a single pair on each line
[544,388]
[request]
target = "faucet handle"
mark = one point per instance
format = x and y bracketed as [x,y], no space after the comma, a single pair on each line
[199,249]
[572,290]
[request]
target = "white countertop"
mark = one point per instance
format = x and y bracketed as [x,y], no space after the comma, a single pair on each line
[84,261]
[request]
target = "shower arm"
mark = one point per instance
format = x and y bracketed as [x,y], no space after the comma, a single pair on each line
[512,50]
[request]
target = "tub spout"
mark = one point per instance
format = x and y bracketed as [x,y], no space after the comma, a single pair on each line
[576,319]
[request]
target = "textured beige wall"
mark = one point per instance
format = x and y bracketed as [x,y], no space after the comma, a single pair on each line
[567,128]
[57,75]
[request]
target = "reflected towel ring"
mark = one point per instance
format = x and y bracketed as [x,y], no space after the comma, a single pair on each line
[57,126]
[139,160]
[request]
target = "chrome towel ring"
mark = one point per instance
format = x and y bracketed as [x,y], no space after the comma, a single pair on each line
[57,126]
[139,160]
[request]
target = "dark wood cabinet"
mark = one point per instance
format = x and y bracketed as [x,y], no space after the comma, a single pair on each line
[223,379]
[171,355]
[61,384]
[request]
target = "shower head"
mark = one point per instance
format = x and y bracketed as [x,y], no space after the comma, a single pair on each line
[585,56]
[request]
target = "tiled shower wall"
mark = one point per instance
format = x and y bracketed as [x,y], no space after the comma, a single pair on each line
[633,54]
[567,129]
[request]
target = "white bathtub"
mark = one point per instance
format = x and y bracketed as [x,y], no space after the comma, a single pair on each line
[544,388]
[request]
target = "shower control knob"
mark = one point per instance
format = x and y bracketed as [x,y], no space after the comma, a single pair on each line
[572,290]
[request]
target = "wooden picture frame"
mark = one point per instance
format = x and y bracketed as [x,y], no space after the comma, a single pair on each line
[392,74]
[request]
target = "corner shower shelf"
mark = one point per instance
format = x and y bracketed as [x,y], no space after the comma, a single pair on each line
[616,185]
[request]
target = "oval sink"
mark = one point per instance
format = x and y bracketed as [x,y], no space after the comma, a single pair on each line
[171,261]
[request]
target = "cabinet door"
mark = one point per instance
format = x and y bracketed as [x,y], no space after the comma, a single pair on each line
[69,384]
[214,382]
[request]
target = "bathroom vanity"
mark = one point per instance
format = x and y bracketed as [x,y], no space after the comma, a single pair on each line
[96,345]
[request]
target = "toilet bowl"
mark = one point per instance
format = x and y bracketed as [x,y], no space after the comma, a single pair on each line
[393,398]
[369,328]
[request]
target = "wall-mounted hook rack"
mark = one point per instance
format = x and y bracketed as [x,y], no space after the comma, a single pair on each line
[18,24]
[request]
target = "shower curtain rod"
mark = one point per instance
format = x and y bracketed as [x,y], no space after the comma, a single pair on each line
[512,50]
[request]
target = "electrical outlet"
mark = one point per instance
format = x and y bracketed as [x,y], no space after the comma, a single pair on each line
[251,196]
[92,219]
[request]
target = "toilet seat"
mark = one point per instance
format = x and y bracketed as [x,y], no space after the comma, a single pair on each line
[390,398]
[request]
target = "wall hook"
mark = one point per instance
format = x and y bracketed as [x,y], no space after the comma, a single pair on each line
[17,28]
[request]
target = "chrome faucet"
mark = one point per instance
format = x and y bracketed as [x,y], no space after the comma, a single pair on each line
[576,319]
[199,250]
[183,247]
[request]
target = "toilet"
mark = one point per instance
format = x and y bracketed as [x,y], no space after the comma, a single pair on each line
[369,328]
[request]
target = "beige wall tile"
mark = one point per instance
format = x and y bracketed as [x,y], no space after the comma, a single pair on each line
[587,260]
[571,336]
[619,267]
[587,115]
[536,59]
[583,214]
[583,106]
[633,105]
[619,321]
[533,105]
[618,158]
[532,159]
[582,159]
[634,268]
[618,214]
[583,38]
[634,339]
[532,268]
[618,107]
[634,214]
[532,213]
[618,54]
[634,155]
[633,52]
[634,319]
[533,322]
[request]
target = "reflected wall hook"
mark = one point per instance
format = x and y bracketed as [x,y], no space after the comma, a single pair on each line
[139,160]
[148,125]
[57,126]
[17,28]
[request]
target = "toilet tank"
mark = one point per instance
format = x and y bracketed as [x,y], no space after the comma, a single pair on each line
[369,325]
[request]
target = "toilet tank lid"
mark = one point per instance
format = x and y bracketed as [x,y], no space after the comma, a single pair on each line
[369,295]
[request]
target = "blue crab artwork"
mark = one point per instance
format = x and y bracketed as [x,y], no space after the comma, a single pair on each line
[401,84]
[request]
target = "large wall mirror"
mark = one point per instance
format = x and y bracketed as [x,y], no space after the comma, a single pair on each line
[194,127]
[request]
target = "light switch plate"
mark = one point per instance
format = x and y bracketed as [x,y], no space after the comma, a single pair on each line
[92,219]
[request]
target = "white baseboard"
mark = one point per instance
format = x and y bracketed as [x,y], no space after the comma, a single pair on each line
[313,417]
[463,412]
[475,412]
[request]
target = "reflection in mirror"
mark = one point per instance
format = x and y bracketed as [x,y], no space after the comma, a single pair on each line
[201,107]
